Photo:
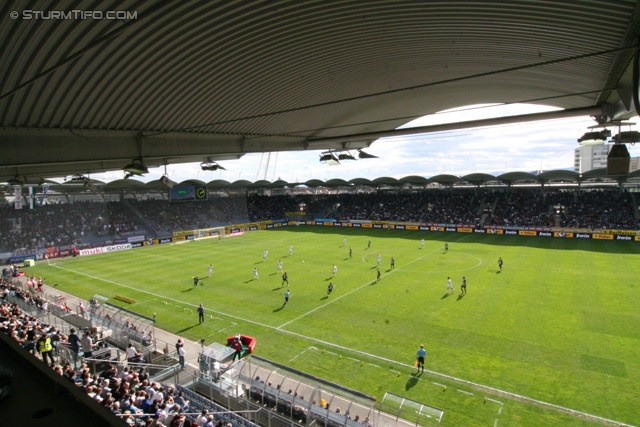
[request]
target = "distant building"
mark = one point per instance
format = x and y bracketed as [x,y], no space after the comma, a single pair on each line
[588,157]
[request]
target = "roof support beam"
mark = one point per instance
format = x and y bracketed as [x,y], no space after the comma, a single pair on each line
[597,111]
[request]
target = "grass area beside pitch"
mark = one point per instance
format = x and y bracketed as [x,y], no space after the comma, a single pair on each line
[558,324]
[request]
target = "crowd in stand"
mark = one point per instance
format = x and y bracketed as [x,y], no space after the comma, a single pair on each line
[24,231]
[271,207]
[127,393]
[166,217]
[521,208]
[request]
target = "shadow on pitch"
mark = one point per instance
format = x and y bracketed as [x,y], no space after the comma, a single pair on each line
[460,297]
[277,289]
[499,271]
[413,380]
[273,274]
[324,297]
[187,328]
[189,290]
[278,309]
[445,295]
[249,281]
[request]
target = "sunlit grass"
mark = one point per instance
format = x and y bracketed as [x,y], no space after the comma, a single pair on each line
[559,323]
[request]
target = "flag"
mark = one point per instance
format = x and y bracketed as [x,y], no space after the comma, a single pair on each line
[32,197]
[45,188]
[17,194]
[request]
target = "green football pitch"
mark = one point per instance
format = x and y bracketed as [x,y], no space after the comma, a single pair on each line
[551,340]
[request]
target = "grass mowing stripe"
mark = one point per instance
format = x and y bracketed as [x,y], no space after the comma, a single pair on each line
[542,303]
[449,377]
[361,287]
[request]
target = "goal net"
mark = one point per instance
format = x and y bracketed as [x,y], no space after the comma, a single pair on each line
[210,233]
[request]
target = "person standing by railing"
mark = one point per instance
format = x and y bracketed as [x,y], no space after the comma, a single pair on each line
[181,355]
[45,347]
[87,345]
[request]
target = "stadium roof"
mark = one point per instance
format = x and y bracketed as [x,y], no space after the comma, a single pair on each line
[202,80]
[547,177]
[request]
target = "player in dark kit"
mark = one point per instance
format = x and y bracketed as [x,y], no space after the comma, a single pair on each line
[196,279]
[329,289]
[500,263]
[200,314]
[285,279]
[463,287]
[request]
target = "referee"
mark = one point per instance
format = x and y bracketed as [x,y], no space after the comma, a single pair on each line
[421,355]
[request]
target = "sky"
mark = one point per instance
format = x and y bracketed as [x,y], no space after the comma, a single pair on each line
[528,147]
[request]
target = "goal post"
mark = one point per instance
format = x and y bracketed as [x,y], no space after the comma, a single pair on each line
[210,233]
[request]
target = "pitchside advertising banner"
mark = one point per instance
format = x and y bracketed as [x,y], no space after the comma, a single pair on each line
[105,249]
[623,235]
[139,241]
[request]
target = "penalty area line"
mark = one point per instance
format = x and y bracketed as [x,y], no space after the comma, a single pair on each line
[511,395]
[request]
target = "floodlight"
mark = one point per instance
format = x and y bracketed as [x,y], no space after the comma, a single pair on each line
[628,137]
[78,179]
[594,138]
[363,155]
[135,168]
[345,156]
[210,166]
[329,159]
[166,182]
[89,186]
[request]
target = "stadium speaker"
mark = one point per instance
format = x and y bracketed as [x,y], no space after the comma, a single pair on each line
[618,160]
[166,182]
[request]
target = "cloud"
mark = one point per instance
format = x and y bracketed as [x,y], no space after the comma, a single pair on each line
[527,147]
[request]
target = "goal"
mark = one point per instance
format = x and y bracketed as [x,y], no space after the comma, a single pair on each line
[210,233]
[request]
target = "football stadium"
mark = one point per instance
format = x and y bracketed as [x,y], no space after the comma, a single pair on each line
[475,300]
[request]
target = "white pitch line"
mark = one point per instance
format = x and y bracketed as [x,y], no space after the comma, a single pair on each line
[516,396]
[167,298]
[298,355]
[495,423]
[500,411]
[495,401]
[361,287]
[512,395]
[465,392]
[438,384]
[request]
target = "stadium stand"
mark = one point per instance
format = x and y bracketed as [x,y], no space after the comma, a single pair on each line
[89,223]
